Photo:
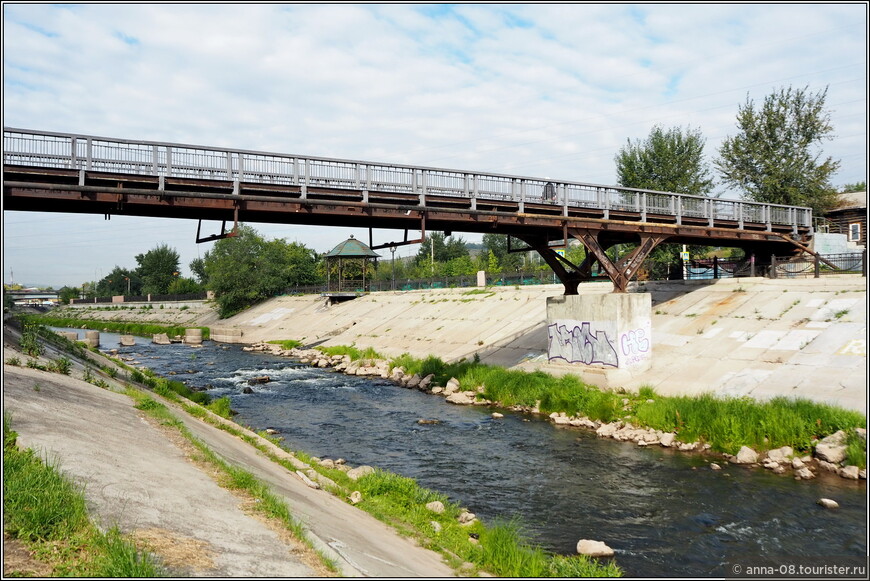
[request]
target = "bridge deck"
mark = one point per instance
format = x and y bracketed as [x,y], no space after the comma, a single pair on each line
[75,173]
[54,172]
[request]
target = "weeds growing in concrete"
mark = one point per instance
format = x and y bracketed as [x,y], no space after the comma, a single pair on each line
[288,344]
[354,353]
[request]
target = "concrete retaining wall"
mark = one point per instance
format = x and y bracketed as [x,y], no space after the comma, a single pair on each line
[226,334]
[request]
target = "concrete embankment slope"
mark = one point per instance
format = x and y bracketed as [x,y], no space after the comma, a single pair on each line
[734,337]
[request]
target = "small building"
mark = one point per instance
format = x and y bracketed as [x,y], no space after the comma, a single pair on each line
[849,218]
[347,268]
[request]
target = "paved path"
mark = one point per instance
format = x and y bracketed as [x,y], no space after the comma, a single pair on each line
[138,479]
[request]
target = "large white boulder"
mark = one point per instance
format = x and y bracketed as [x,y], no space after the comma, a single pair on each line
[592,548]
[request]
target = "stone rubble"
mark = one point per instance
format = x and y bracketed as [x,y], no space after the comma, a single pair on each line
[829,454]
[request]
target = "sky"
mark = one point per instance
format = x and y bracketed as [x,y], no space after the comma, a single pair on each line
[538,90]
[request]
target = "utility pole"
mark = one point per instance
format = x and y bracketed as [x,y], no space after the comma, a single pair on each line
[393,263]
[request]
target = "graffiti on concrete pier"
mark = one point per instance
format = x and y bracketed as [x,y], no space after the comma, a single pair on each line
[578,342]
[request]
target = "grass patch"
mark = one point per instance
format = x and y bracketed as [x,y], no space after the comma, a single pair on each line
[287,343]
[221,407]
[520,388]
[354,353]
[856,450]
[728,424]
[122,327]
[46,511]
[724,423]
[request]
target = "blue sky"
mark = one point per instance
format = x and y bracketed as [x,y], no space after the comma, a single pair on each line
[544,90]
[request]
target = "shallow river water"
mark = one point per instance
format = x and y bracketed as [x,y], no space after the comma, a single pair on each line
[665,513]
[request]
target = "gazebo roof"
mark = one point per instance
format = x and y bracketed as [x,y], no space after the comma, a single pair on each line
[352,248]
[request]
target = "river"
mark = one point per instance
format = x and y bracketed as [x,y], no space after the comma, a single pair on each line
[666,513]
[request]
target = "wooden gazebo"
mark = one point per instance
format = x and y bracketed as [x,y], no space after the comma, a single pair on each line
[346,267]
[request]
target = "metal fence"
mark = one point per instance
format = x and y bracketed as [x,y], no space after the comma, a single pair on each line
[84,153]
[813,266]
[144,299]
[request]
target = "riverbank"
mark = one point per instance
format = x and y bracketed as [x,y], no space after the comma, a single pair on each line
[40,402]
[794,437]
[752,337]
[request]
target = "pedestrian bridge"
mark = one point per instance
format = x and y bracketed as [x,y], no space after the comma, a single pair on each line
[60,172]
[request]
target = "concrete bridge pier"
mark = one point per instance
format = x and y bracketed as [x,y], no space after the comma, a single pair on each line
[609,332]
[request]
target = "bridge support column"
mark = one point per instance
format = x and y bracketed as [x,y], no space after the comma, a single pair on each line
[612,332]
[569,278]
[621,271]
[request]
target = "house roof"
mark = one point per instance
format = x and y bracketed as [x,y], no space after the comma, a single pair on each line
[851,201]
[352,248]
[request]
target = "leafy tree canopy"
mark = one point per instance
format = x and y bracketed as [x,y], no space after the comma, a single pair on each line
[157,268]
[856,187]
[669,160]
[66,293]
[775,156]
[445,248]
[118,281]
[246,269]
[495,247]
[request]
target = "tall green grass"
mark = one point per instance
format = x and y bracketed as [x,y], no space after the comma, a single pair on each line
[354,353]
[123,327]
[520,388]
[725,423]
[728,424]
[503,548]
[287,343]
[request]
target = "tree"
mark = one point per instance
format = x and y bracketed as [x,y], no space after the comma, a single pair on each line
[667,160]
[157,268]
[775,157]
[183,286]
[66,293]
[116,283]
[497,245]
[197,267]
[246,269]
[856,187]
[441,248]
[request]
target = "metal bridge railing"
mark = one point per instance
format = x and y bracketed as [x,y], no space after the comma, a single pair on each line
[99,154]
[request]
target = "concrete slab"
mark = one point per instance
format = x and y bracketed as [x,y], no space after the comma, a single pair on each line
[135,479]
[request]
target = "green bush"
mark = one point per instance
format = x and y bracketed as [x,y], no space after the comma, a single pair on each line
[200,397]
[221,407]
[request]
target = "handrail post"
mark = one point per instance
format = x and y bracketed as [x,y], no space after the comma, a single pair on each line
[772,266]
[816,266]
